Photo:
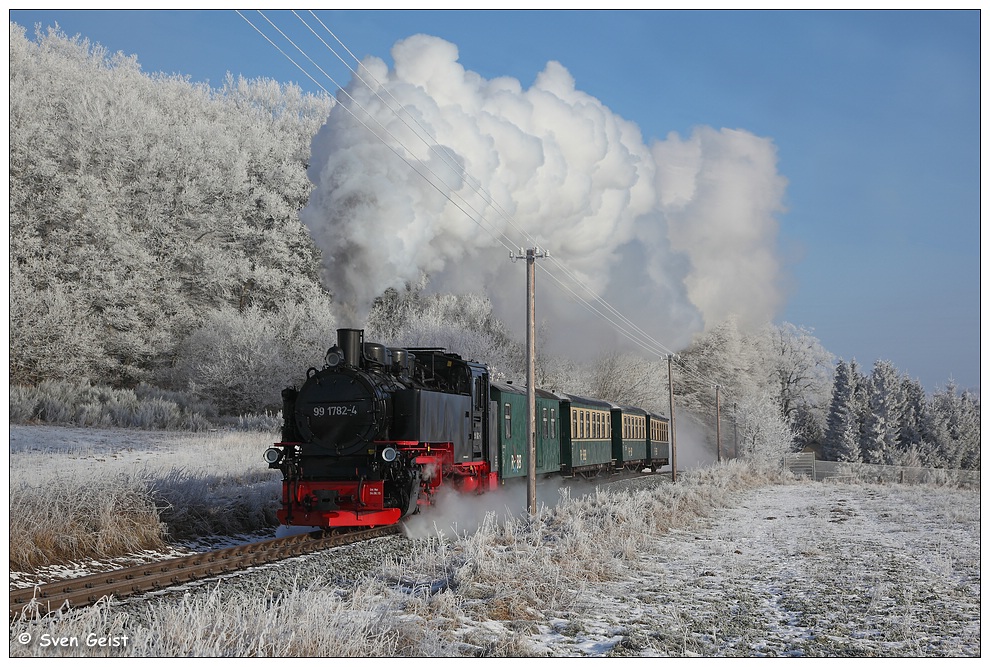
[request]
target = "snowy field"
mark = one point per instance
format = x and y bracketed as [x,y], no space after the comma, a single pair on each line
[725,563]
[806,569]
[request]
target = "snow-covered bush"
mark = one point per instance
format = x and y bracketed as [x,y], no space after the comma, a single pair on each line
[82,404]
[242,360]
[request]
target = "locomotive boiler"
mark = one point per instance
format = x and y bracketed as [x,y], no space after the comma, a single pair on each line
[372,435]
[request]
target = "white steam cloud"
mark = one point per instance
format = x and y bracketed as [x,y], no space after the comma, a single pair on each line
[676,235]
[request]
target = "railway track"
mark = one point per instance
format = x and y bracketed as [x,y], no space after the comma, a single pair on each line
[83,591]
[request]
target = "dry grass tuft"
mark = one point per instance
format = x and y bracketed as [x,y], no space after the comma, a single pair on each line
[71,520]
[100,501]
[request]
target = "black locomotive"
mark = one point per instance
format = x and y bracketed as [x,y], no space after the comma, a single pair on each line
[377,430]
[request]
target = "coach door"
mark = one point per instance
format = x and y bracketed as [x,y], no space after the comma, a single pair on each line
[479,415]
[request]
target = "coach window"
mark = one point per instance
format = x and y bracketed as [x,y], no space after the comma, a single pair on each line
[553,423]
[508,420]
[546,424]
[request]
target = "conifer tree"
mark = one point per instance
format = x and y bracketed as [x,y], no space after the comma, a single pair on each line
[911,433]
[842,427]
[880,437]
[954,427]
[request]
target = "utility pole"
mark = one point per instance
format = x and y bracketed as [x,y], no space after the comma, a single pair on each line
[718,422]
[735,434]
[531,255]
[673,444]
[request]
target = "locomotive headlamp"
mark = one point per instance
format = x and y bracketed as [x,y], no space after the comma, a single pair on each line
[334,357]
[273,455]
[389,454]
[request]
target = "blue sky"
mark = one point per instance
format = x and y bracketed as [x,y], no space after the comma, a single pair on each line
[875,117]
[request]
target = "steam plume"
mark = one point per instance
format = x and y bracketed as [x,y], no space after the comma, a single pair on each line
[677,234]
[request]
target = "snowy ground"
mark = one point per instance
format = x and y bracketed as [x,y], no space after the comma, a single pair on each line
[796,569]
[806,569]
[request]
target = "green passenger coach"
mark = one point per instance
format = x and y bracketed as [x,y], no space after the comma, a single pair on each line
[629,438]
[658,432]
[575,435]
[512,430]
[586,446]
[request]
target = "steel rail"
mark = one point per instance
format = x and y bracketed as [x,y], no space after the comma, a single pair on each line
[82,591]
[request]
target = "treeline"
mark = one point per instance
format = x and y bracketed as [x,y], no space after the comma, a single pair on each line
[141,205]
[782,377]
[886,418]
[155,243]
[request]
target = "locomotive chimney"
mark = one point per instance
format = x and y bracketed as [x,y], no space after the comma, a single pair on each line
[351,342]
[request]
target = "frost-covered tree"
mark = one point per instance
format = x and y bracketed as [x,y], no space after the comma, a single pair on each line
[149,199]
[799,365]
[391,311]
[911,436]
[882,429]
[240,360]
[954,426]
[464,324]
[970,440]
[765,435]
[725,357]
[842,430]
[51,339]
[785,362]
[629,379]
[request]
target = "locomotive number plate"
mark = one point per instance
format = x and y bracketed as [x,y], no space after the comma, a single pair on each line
[335,410]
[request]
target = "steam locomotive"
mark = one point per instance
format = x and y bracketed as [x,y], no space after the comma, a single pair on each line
[373,435]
